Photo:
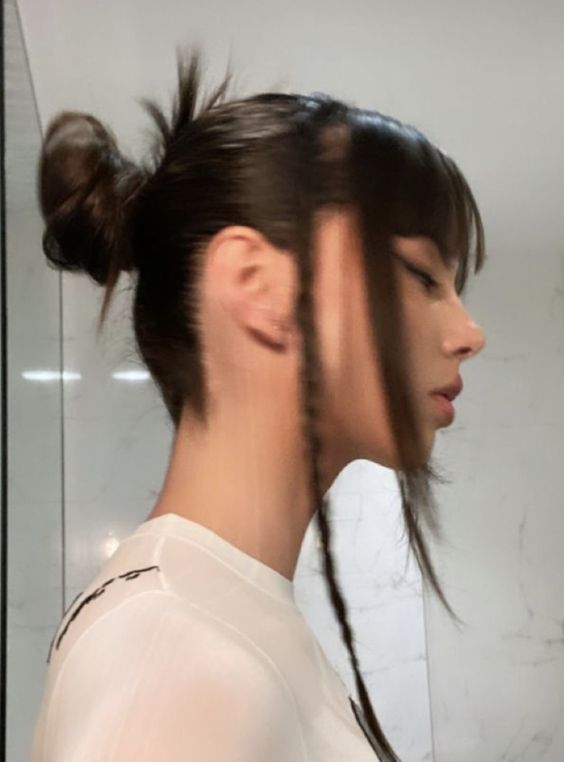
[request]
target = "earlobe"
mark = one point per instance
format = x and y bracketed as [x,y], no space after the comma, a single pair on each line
[272,328]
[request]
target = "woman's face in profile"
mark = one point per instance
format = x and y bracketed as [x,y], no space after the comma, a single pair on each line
[440,336]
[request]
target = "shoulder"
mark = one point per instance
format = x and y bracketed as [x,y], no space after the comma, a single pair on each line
[158,627]
[160,669]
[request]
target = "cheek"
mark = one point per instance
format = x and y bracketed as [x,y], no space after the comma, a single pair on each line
[360,402]
[421,345]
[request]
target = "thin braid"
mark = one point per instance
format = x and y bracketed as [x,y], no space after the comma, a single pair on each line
[310,374]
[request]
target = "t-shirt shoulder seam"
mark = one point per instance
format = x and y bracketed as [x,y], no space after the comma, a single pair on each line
[72,611]
[64,664]
[265,658]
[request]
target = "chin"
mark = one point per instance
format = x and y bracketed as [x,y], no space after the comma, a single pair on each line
[385,453]
[392,460]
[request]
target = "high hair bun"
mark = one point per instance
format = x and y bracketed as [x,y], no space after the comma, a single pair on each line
[87,191]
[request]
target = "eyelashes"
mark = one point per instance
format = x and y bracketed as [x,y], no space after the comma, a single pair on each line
[428,282]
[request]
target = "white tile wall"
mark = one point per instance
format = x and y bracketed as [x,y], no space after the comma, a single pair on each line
[34,456]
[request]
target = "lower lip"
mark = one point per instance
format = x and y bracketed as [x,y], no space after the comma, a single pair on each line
[444,406]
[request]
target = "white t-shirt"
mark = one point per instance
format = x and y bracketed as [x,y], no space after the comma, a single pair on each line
[186,649]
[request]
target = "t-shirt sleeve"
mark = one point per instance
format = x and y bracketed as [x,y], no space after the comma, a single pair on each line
[176,688]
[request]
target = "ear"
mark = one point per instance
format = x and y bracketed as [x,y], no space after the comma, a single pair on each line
[253,282]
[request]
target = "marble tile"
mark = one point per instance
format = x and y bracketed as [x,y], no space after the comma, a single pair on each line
[34,415]
[383,594]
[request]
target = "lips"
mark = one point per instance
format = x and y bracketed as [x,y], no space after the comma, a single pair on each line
[451,391]
[444,407]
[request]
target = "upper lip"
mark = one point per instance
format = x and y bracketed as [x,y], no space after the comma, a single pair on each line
[452,390]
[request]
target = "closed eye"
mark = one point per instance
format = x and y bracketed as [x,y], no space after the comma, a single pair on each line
[422,276]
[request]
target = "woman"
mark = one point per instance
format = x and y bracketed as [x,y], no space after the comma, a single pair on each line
[299,265]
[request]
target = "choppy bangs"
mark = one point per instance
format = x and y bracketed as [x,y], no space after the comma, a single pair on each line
[418,190]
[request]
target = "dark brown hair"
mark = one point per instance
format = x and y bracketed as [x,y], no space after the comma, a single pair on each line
[270,162]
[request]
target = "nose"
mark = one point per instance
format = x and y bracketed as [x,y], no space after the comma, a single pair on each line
[468,340]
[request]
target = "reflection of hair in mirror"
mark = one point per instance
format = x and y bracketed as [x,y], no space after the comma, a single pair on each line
[269,162]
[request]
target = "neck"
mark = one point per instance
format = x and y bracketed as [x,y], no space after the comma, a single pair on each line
[245,477]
